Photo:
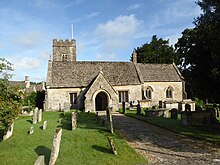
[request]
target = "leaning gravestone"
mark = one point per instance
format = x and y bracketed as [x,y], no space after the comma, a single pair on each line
[9,131]
[56,146]
[31,130]
[40,160]
[74,120]
[35,115]
[45,125]
[109,118]
[40,115]
[112,145]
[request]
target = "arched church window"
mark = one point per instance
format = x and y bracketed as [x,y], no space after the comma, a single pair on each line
[148,93]
[169,92]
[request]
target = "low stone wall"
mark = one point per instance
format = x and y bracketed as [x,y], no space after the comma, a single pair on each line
[157,113]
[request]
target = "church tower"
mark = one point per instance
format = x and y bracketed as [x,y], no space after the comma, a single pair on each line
[64,50]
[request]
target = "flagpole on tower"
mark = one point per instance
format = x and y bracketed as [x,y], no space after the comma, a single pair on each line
[72,30]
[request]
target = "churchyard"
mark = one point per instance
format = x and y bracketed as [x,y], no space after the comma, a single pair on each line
[85,143]
[209,133]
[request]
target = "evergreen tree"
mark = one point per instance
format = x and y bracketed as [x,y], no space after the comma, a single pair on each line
[200,52]
[157,51]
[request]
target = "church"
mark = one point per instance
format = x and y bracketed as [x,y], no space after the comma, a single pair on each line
[93,86]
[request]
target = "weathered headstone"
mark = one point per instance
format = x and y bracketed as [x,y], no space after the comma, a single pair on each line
[66,107]
[9,131]
[40,115]
[123,108]
[138,108]
[174,113]
[74,120]
[45,125]
[56,146]
[112,145]
[35,115]
[187,107]
[31,130]
[40,160]
[160,104]
[109,118]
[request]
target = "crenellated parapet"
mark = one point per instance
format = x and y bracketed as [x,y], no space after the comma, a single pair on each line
[66,42]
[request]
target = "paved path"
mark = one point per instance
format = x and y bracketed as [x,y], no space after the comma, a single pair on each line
[161,146]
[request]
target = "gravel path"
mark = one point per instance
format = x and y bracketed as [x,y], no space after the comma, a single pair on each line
[161,146]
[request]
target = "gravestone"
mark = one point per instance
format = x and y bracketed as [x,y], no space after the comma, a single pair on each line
[9,131]
[188,107]
[66,107]
[123,108]
[174,113]
[112,145]
[160,104]
[109,119]
[35,115]
[31,130]
[40,115]
[40,160]
[56,146]
[45,125]
[74,120]
[138,108]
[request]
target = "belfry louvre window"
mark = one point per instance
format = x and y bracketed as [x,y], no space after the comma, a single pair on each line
[123,96]
[64,57]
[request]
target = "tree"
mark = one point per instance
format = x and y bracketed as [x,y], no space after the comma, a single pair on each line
[9,96]
[200,54]
[157,51]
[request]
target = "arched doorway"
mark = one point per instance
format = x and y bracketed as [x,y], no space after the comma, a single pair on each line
[101,101]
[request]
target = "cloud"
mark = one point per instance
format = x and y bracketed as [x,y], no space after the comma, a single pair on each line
[29,39]
[25,63]
[121,26]
[115,35]
[93,14]
[135,6]
[44,54]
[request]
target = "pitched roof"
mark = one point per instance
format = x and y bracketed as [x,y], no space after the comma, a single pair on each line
[159,72]
[80,74]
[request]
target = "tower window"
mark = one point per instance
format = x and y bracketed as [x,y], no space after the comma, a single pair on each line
[64,56]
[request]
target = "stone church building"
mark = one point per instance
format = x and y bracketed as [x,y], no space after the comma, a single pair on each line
[92,86]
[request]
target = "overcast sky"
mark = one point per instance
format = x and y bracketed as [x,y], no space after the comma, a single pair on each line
[106,30]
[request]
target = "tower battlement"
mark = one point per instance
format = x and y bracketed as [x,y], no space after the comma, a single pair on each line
[66,42]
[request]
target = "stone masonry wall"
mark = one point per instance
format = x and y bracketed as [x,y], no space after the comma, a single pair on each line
[159,91]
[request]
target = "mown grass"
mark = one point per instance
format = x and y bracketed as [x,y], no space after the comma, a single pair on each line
[175,125]
[86,145]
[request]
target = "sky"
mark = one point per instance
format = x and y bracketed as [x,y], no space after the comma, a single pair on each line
[104,30]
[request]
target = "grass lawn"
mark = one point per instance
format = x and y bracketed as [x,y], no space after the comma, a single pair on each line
[88,144]
[176,126]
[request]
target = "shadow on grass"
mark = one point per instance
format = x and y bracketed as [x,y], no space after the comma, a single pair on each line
[102,149]
[42,150]
[1,134]
[30,121]
[66,121]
